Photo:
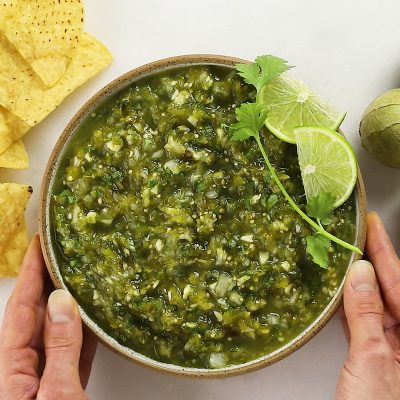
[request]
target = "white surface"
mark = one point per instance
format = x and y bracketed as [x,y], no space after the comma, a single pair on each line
[347,51]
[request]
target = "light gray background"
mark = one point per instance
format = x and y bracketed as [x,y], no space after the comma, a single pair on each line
[348,51]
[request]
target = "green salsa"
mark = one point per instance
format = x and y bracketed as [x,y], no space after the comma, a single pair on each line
[174,239]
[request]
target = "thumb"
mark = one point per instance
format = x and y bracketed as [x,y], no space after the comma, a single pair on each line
[62,342]
[364,309]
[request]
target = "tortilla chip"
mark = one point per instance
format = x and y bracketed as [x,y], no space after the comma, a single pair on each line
[44,32]
[15,157]
[13,200]
[14,251]
[22,93]
[12,128]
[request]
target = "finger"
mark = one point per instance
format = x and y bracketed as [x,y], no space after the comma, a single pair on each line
[393,339]
[343,321]
[37,340]
[392,330]
[88,352]
[19,322]
[381,253]
[364,309]
[63,342]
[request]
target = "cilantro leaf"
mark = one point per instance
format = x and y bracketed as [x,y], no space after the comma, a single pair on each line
[271,67]
[241,134]
[251,118]
[249,72]
[271,201]
[317,247]
[321,207]
[261,72]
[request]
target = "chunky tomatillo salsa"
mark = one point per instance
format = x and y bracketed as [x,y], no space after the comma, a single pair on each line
[174,238]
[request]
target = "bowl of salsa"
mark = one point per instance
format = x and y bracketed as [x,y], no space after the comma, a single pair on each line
[179,250]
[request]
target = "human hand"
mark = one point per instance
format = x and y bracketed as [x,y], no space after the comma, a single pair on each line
[372,309]
[44,354]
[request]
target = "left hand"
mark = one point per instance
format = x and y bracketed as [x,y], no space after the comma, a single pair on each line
[43,352]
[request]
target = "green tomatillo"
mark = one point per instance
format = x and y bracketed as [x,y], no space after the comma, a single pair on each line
[380,128]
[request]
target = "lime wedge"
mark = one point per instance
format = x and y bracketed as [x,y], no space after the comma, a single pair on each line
[290,103]
[327,162]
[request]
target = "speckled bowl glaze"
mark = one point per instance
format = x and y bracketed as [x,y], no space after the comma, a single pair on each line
[48,244]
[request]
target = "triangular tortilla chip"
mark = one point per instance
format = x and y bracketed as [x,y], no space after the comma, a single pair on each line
[22,93]
[12,128]
[14,251]
[15,157]
[44,32]
[13,200]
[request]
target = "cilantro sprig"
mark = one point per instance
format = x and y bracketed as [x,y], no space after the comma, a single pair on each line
[250,120]
[263,70]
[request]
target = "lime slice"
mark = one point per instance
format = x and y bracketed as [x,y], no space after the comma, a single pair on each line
[290,103]
[327,162]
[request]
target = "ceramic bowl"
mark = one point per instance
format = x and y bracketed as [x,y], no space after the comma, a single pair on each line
[48,244]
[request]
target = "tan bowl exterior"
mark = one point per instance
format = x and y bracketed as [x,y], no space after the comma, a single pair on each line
[45,234]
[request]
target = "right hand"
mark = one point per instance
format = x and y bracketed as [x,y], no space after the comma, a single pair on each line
[372,308]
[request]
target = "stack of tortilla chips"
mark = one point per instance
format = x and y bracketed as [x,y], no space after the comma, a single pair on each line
[44,56]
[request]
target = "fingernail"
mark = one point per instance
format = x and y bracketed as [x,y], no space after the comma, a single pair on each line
[362,276]
[374,214]
[61,307]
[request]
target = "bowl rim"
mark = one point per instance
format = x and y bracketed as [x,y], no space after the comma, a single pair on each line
[45,234]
